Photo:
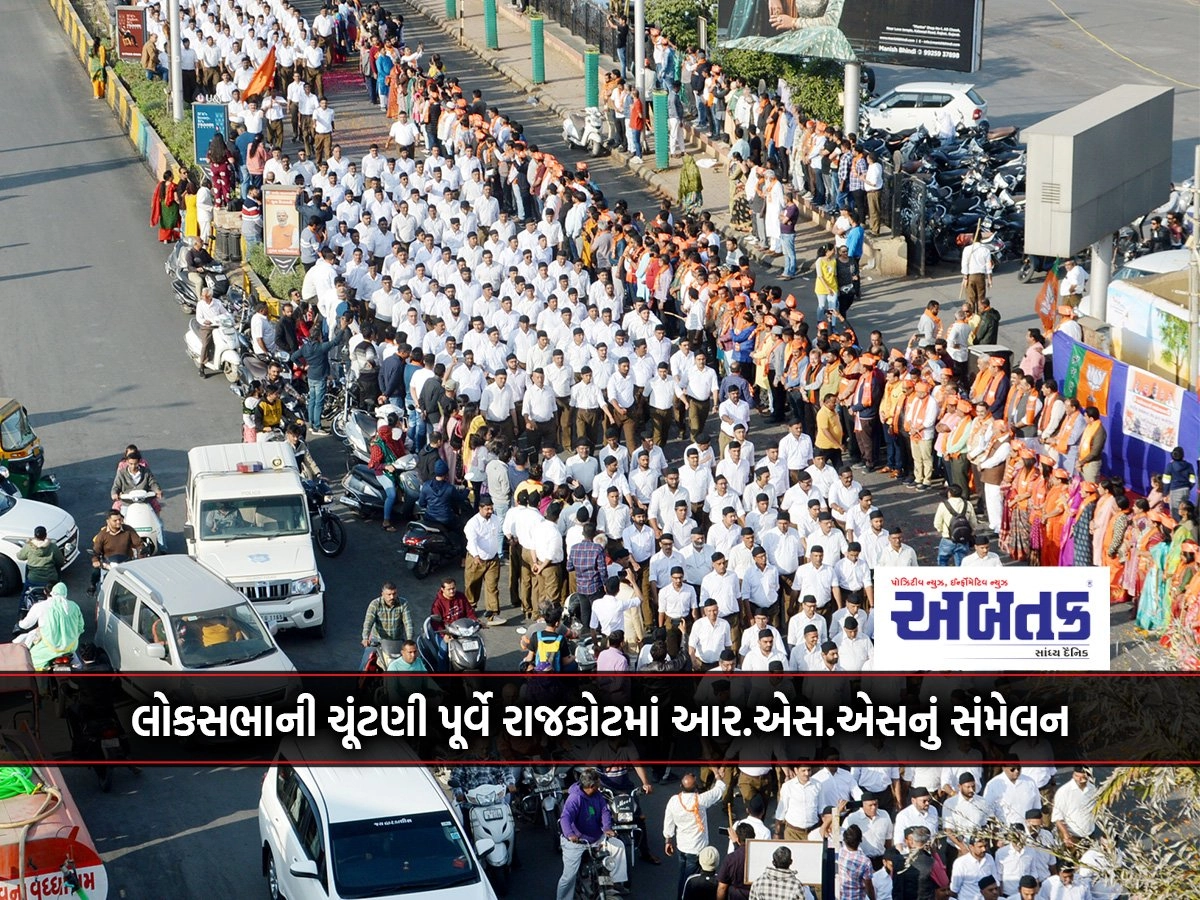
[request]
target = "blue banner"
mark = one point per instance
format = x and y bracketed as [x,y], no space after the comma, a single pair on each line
[207,120]
[1125,453]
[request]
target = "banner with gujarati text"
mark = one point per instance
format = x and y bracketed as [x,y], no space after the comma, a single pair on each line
[1153,407]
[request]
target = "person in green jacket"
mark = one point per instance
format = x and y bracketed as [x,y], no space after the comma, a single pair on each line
[44,560]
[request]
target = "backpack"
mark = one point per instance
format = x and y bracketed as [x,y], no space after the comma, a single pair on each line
[547,652]
[961,531]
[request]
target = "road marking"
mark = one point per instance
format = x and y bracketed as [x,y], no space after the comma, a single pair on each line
[231,819]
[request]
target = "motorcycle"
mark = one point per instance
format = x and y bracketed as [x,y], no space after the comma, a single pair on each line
[365,493]
[141,517]
[542,800]
[594,880]
[254,366]
[491,817]
[92,723]
[427,546]
[463,652]
[383,653]
[623,807]
[185,294]
[584,130]
[327,529]
[227,347]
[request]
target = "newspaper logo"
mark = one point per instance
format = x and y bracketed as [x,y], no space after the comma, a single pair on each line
[1027,619]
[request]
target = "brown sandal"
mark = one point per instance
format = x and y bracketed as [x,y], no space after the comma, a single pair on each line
[388,526]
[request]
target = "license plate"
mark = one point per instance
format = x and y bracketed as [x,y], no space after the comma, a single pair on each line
[470,645]
[272,618]
[411,557]
[111,744]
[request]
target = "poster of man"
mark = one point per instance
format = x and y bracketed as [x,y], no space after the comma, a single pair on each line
[282,221]
[131,32]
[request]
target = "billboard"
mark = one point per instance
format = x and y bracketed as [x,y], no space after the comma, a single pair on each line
[131,32]
[281,222]
[926,34]
[207,120]
[1041,619]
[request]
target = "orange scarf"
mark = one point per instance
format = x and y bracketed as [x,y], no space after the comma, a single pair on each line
[914,416]
[957,434]
[1089,436]
[1047,410]
[1064,432]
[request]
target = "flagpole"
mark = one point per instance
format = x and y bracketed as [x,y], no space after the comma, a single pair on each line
[175,50]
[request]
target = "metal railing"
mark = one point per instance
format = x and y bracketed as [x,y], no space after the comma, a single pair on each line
[585,19]
[909,197]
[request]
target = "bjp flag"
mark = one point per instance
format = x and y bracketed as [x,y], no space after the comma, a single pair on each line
[263,77]
[1095,376]
[1046,303]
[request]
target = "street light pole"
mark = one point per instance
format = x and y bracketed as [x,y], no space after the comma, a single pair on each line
[639,46]
[174,51]
[851,88]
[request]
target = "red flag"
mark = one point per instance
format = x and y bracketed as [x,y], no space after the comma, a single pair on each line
[263,77]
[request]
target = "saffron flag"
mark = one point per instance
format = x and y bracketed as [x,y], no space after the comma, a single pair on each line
[263,77]
[1088,377]
[1046,304]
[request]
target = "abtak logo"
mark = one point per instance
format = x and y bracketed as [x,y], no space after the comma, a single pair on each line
[992,615]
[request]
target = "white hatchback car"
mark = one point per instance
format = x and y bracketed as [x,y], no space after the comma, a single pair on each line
[386,832]
[917,103]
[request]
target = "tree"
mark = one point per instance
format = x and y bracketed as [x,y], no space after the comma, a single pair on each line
[679,19]
[1173,332]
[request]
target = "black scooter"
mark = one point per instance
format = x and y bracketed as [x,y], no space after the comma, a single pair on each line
[95,729]
[428,545]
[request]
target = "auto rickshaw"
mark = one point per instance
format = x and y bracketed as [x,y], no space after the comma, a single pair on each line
[21,454]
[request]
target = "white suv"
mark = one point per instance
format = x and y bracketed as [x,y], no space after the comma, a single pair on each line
[385,832]
[908,106]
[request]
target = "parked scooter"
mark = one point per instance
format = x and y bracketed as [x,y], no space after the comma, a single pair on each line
[584,130]
[254,367]
[463,651]
[491,817]
[140,516]
[185,293]
[327,529]
[226,356]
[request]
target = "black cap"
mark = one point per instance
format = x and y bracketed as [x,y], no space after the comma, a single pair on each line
[966,778]
[810,629]
[919,791]
[827,646]
[709,602]
[1033,813]
[986,881]
[726,655]
[850,623]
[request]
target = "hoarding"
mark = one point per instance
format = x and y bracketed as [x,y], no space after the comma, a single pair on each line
[926,34]
[1042,619]
[131,32]
[281,222]
[208,119]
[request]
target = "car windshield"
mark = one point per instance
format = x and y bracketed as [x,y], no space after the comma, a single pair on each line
[253,517]
[15,433]
[6,502]
[400,855]
[220,637]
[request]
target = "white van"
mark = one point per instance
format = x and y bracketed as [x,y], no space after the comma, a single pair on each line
[247,521]
[169,615]
[388,832]
[1159,263]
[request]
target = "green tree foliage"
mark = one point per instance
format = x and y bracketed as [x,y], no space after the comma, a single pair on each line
[678,19]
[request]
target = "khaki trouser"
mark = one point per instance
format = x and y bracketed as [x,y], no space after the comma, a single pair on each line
[697,416]
[588,426]
[750,785]
[922,454]
[564,422]
[526,585]
[735,629]
[628,427]
[976,290]
[873,215]
[661,423]
[322,145]
[482,575]
[548,585]
[275,132]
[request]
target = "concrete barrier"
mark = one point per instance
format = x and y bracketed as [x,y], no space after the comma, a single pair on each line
[152,149]
[891,256]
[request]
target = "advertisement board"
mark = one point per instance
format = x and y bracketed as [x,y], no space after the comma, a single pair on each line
[281,222]
[207,120]
[131,32]
[1041,619]
[1153,407]
[927,34]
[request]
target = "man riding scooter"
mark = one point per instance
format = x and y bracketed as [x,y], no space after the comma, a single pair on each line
[441,502]
[44,560]
[135,475]
[52,627]
[114,542]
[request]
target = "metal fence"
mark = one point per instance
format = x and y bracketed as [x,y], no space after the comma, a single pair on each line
[585,19]
[909,196]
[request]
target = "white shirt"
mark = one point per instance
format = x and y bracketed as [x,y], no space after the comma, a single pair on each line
[814,581]
[608,612]
[876,832]
[1075,807]
[854,654]
[965,875]
[800,621]
[1013,798]
[975,561]
[685,822]
[677,604]
[910,817]
[722,588]
[706,639]
[906,556]
[1054,889]
[483,537]
[798,803]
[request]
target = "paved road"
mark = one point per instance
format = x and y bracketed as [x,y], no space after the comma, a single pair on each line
[92,344]
[1037,63]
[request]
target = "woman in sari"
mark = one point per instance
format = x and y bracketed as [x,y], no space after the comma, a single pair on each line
[1081,531]
[1184,594]
[98,68]
[1144,533]
[1106,508]
[1026,483]
[1055,509]
[384,63]
[1066,556]
[396,84]
[164,209]
[204,210]
[739,206]
[1162,561]
[220,162]
[1115,547]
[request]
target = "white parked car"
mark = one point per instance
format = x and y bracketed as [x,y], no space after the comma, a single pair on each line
[18,519]
[386,832]
[169,615]
[917,103]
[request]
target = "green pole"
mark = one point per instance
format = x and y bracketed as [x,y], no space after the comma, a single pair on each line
[537,35]
[491,32]
[591,76]
[662,140]
[451,10]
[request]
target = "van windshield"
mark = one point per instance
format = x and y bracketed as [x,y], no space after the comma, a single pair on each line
[252,517]
[15,433]
[220,637]
[400,855]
